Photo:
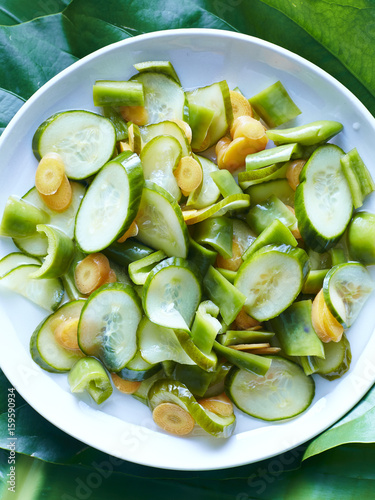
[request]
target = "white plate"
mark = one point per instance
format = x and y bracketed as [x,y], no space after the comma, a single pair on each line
[123,427]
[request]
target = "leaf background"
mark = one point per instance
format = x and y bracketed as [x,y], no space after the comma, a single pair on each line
[338,36]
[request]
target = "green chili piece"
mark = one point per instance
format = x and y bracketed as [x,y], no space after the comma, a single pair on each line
[205,326]
[306,135]
[270,156]
[200,119]
[195,378]
[216,232]
[202,257]
[225,182]
[118,93]
[359,178]
[118,122]
[20,218]
[274,105]
[139,269]
[279,187]
[274,234]
[260,175]
[228,274]
[222,293]
[88,374]
[295,332]
[60,253]
[262,215]
[314,281]
[127,252]
[245,360]
[233,337]
[361,238]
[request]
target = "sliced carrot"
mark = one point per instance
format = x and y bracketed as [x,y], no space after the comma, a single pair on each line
[91,272]
[185,127]
[130,233]
[188,174]
[293,172]
[66,334]
[60,200]
[174,419]
[234,262]
[135,114]
[244,322]
[220,405]
[112,278]
[246,126]
[240,105]
[125,386]
[324,323]
[50,174]
[295,232]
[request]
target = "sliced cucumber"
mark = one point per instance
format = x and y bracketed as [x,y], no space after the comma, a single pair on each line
[84,140]
[262,215]
[165,67]
[140,269]
[207,362]
[346,288]
[44,349]
[284,392]
[15,259]
[208,192]
[88,374]
[172,293]
[108,325]
[110,204]
[160,158]
[46,293]
[338,357]
[141,393]
[271,279]
[37,244]
[164,97]
[138,369]
[160,222]
[165,128]
[216,97]
[228,204]
[323,202]
[157,343]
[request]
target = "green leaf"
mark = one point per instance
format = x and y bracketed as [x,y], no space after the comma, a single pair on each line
[9,105]
[16,12]
[345,28]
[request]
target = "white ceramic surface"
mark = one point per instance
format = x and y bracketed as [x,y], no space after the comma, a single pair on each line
[122,426]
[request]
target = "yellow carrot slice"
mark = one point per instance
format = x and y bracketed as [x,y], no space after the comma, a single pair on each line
[324,323]
[60,200]
[130,233]
[240,105]
[135,114]
[111,278]
[91,272]
[66,334]
[188,174]
[234,262]
[293,172]
[246,126]
[245,322]
[220,405]
[125,386]
[50,174]
[172,418]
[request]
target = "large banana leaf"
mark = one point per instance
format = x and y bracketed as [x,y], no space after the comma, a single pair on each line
[336,35]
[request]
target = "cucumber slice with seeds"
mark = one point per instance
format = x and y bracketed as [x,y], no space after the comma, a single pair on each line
[271,279]
[164,97]
[160,222]
[172,293]
[15,259]
[323,202]
[110,204]
[346,288]
[44,349]
[108,325]
[284,392]
[84,140]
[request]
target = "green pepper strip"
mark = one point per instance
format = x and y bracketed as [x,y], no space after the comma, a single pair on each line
[202,257]
[172,391]
[20,218]
[222,293]
[306,135]
[216,232]
[140,269]
[205,326]
[262,215]
[127,252]
[274,105]
[232,337]
[200,119]
[59,256]
[118,122]
[245,360]
[359,178]
[116,93]
[276,233]
[225,182]
[314,281]
[89,375]
[195,378]
[295,332]
[270,156]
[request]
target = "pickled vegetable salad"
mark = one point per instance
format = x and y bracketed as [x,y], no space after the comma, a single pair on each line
[167,279]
